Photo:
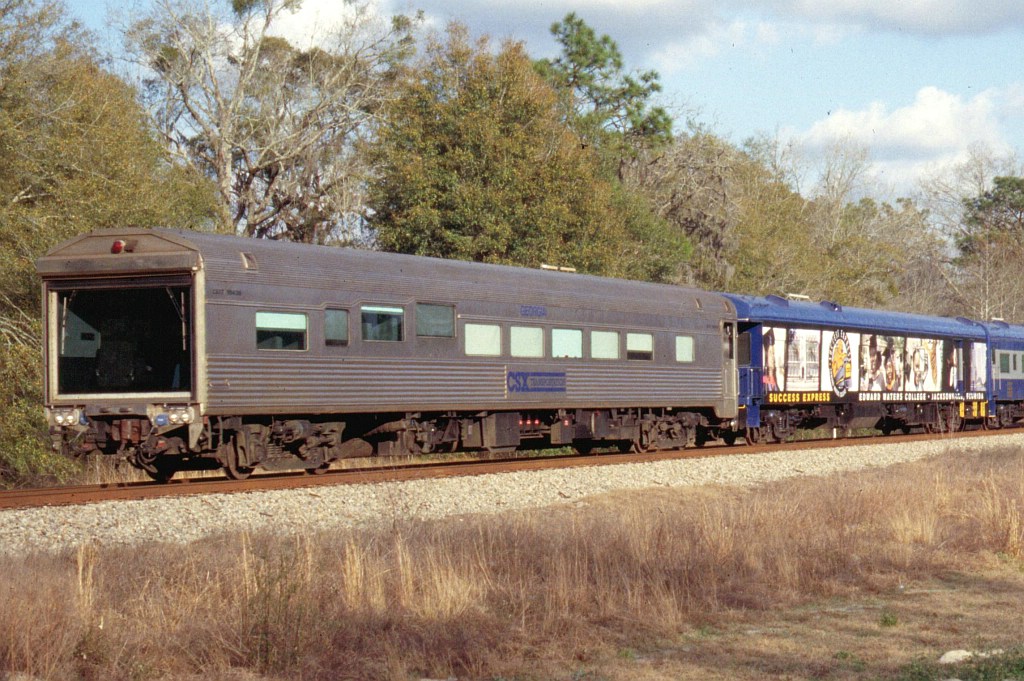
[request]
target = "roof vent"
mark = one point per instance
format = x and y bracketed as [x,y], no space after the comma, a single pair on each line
[831,306]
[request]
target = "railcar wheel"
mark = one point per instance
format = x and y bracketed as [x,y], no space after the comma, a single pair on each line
[318,470]
[949,421]
[754,436]
[236,472]
[729,438]
[779,434]
[161,473]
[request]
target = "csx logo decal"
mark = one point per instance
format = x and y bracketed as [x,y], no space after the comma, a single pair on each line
[535,382]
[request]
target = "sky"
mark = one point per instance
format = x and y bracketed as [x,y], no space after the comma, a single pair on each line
[914,83]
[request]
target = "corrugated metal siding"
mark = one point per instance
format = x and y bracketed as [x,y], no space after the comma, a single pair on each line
[318,385]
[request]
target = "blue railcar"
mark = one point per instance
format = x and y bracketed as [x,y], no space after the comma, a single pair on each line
[805,364]
[1006,379]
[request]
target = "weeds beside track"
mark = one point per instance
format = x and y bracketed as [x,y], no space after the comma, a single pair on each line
[616,588]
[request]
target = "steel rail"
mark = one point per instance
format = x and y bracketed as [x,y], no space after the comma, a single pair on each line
[125,491]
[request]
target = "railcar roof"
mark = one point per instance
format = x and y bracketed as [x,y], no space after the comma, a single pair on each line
[289,263]
[1002,331]
[776,309]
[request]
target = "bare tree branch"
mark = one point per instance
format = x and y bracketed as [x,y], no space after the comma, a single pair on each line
[276,126]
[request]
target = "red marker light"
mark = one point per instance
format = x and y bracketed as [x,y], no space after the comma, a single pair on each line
[117,246]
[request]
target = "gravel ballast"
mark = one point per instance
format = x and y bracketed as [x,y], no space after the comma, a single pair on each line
[185,519]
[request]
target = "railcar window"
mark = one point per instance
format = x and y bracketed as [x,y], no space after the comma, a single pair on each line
[335,327]
[743,352]
[483,339]
[639,346]
[381,323]
[1004,363]
[435,320]
[567,343]
[125,340]
[604,344]
[526,341]
[684,348]
[281,330]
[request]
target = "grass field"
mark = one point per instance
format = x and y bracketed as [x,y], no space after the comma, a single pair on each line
[862,575]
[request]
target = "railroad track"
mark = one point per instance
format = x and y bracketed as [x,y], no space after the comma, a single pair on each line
[85,494]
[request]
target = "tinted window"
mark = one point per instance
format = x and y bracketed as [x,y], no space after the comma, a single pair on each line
[380,323]
[280,331]
[743,351]
[336,327]
[435,320]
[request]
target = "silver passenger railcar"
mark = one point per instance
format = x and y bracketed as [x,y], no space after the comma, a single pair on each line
[183,350]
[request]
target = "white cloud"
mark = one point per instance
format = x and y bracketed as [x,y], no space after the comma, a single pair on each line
[679,55]
[316,21]
[934,122]
[905,143]
[917,16]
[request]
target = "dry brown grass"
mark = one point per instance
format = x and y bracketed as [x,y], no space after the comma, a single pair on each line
[567,593]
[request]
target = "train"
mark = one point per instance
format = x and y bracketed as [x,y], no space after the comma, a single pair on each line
[176,350]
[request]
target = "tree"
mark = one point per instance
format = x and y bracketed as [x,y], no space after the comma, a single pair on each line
[775,253]
[973,285]
[75,155]
[476,163]
[276,126]
[990,245]
[75,150]
[944,192]
[609,109]
[690,186]
[748,226]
